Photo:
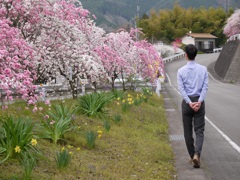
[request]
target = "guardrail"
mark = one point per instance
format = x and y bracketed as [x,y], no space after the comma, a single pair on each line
[171,58]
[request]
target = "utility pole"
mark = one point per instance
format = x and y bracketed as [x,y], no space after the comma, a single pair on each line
[227,6]
[137,19]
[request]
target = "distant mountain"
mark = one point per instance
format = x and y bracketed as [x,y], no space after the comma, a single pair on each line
[115,14]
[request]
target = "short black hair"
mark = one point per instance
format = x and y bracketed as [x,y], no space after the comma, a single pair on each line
[191,51]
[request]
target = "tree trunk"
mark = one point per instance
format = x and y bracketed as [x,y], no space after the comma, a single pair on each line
[113,79]
[73,86]
[123,82]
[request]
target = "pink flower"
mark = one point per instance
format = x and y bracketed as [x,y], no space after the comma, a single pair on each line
[35,109]
[52,122]
[46,116]
[47,102]
[4,107]
[40,108]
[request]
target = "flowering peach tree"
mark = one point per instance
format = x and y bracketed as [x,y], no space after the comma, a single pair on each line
[232,26]
[51,38]
[16,64]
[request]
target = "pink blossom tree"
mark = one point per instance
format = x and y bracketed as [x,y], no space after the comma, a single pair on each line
[115,54]
[16,68]
[232,26]
[149,61]
[62,34]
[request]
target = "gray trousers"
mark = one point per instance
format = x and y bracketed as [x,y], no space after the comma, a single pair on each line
[193,121]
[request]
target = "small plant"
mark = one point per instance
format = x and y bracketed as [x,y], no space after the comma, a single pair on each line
[91,138]
[93,104]
[125,106]
[62,159]
[15,137]
[28,162]
[117,118]
[118,94]
[146,93]
[57,123]
[107,125]
[138,100]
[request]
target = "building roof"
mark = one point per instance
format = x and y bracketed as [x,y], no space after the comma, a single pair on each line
[201,35]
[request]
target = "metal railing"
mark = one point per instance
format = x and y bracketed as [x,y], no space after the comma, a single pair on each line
[174,57]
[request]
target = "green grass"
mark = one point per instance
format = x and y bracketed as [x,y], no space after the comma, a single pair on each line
[137,147]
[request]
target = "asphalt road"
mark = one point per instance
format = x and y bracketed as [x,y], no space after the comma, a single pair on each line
[221,150]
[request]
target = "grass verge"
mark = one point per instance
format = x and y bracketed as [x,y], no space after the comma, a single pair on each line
[137,147]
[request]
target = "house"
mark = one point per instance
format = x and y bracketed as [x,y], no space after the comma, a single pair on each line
[205,42]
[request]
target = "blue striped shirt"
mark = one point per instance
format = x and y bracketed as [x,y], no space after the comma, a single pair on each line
[192,81]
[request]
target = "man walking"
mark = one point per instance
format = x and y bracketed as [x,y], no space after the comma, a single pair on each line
[193,85]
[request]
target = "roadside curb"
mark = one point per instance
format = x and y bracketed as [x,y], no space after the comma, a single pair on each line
[185,170]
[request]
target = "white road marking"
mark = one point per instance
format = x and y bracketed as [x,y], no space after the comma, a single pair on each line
[232,143]
[215,79]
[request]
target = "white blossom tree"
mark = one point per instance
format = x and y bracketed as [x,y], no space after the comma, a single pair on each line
[232,26]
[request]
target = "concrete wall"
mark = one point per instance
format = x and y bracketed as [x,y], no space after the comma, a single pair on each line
[227,66]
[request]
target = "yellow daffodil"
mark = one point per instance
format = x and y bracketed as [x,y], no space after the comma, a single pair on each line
[99,135]
[63,148]
[123,101]
[99,132]
[34,142]
[118,103]
[78,148]
[70,153]
[129,99]
[118,98]
[69,146]
[17,149]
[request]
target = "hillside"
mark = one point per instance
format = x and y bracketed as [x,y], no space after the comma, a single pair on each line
[114,14]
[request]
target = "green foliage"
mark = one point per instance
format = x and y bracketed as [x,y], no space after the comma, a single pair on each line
[93,104]
[59,122]
[146,93]
[28,162]
[90,139]
[62,159]
[143,135]
[138,100]
[106,125]
[15,136]
[117,118]
[169,25]
[118,94]
[125,106]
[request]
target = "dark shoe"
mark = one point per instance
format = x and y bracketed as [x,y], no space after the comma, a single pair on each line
[196,161]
